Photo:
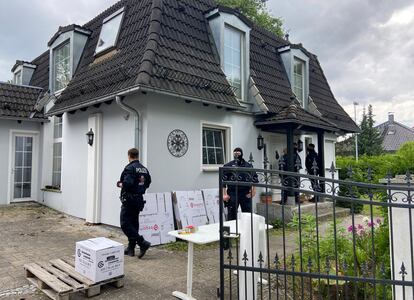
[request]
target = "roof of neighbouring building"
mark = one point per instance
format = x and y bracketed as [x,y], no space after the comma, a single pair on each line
[167,46]
[18,101]
[395,134]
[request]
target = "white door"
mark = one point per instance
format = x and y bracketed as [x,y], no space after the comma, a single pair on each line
[23,167]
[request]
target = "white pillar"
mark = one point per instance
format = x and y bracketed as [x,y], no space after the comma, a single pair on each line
[94,171]
[400,238]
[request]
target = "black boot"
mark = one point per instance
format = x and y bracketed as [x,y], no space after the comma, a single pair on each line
[130,250]
[143,248]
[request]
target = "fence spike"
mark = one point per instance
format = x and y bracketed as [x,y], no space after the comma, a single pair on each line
[332,168]
[230,255]
[382,269]
[315,167]
[298,164]
[293,262]
[309,264]
[369,173]
[389,175]
[350,172]
[403,271]
[408,177]
[251,158]
[327,265]
[281,163]
[260,260]
[245,259]
[277,262]
[345,266]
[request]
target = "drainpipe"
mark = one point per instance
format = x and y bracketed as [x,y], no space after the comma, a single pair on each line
[119,100]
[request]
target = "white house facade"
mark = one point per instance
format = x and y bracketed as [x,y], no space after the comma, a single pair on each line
[185,84]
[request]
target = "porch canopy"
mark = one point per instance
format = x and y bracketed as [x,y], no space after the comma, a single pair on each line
[294,119]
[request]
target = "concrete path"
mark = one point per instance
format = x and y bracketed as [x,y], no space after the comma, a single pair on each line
[30,232]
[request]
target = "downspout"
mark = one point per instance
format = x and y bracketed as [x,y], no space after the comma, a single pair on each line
[119,100]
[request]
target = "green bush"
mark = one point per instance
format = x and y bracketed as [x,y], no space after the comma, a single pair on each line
[361,263]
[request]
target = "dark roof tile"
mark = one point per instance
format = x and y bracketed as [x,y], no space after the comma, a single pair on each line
[18,101]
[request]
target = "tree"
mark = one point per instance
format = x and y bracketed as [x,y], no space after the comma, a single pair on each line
[256,11]
[346,147]
[370,139]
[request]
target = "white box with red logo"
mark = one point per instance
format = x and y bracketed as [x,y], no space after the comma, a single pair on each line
[156,220]
[189,208]
[99,259]
[212,204]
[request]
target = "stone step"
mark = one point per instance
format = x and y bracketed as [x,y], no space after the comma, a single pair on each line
[277,211]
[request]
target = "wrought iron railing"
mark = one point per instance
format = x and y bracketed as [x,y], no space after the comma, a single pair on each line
[367,254]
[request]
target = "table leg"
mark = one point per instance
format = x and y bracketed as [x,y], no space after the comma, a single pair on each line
[188,296]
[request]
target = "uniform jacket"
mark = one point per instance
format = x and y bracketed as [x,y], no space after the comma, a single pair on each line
[135,179]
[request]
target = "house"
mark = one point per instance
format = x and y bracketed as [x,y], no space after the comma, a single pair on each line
[394,134]
[185,82]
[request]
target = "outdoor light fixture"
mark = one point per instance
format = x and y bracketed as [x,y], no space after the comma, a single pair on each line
[89,137]
[260,142]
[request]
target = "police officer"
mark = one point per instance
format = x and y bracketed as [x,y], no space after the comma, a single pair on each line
[311,158]
[284,166]
[134,181]
[234,195]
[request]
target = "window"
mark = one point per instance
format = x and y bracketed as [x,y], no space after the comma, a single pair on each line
[61,66]
[57,152]
[299,80]
[18,77]
[213,146]
[233,58]
[109,31]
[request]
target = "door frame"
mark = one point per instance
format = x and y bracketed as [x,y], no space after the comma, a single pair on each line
[35,164]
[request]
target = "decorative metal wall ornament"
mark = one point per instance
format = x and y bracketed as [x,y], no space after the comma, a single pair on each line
[177,143]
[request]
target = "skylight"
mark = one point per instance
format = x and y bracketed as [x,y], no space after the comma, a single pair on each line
[110,31]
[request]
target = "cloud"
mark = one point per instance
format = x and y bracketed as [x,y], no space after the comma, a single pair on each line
[27,26]
[365,49]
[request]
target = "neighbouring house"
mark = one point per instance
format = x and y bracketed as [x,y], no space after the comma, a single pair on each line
[184,81]
[394,134]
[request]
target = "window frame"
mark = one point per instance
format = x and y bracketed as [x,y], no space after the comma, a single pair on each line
[54,51]
[121,12]
[16,74]
[57,140]
[242,57]
[226,129]
[303,65]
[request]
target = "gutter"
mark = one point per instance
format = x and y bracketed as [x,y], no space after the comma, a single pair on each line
[27,119]
[120,101]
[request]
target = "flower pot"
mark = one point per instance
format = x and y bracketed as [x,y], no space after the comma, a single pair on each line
[266,199]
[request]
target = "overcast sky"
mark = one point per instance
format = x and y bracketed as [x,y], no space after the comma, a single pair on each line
[366,47]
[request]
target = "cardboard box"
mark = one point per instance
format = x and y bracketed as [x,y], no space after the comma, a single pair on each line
[189,209]
[156,220]
[99,259]
[212,204]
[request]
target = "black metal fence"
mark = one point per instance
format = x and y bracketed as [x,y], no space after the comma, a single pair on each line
[366,253]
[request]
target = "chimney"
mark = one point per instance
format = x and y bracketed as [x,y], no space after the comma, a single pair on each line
[391,117]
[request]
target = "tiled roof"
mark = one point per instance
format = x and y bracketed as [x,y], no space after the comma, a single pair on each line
[40,76]
[395,134]
[167,46]
[18,101]
[293,113]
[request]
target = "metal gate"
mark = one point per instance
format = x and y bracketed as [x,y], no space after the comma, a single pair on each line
[348,239]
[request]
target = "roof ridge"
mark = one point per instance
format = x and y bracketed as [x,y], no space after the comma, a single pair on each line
[148,58]
[387,123]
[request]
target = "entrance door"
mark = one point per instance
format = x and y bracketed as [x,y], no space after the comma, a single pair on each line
[23,167]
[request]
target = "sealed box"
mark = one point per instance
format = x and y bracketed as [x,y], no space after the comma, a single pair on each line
[99,259]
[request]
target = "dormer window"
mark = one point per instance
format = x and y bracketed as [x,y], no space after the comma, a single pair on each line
[296,63]
[61,66]
[110,31]
[233,40]
[17,77]
[299,80]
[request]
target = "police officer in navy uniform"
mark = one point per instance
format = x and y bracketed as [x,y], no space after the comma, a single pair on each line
[134,181]
[235,195]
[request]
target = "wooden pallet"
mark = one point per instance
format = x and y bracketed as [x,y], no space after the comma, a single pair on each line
[58,279]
